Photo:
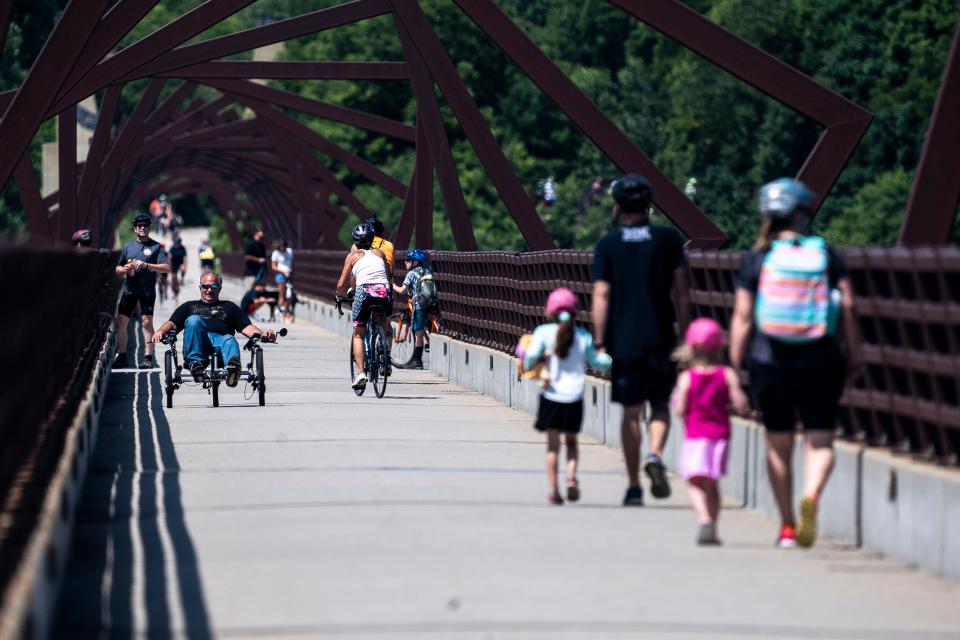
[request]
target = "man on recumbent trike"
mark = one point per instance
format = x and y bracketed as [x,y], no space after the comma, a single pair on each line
[208,325]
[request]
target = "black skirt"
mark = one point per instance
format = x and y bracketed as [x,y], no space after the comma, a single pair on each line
[562,416]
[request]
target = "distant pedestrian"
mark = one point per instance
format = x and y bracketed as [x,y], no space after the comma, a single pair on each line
[82,238]
[791,290]
[565,350]
[254,260]
[208,257]
[281,260]
[705,390]
[637,269]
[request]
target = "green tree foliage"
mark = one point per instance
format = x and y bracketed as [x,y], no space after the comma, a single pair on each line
[692,119]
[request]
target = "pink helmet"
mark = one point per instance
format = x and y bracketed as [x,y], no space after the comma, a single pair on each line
[561,299]
[704,335]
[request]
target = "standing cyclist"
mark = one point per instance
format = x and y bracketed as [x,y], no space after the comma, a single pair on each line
[140,262]
[370,273]
[636,268]
[417,269]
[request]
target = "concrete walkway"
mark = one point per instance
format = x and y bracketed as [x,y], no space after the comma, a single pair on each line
[423,515]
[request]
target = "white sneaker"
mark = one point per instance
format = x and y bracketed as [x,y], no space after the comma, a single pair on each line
[360,381]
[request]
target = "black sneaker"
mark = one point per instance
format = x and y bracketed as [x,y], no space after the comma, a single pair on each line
[659,485]
[233,372]
[633,497]
[120,362]
[196,370]
[148,363]
[415,364]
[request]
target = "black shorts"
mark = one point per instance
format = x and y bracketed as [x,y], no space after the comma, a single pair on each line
[562,416]
[644,379]
[784,394]
[129,302]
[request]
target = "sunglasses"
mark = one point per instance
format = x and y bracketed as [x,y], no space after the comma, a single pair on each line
[210,286]
[141,226]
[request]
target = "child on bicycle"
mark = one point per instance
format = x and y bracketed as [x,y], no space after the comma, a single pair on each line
[565,350]
[423,298]
[704,391]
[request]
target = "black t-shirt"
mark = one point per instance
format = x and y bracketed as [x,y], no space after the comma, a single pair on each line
[144,281]
[246,303]
[639,263]
[257,250]
[764,350]
[223,317]
[177,255]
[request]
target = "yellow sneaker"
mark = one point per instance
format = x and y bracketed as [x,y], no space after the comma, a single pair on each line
[807,526]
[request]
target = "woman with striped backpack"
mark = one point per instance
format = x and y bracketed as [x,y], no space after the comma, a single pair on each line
[792,290]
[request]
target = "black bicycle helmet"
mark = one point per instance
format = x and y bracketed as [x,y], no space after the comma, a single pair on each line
[376,225]
[142,218]
[82,236]
[632,193]
[363,235]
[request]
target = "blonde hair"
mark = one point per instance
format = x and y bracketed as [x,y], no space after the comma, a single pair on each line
[686,356]
[769,229]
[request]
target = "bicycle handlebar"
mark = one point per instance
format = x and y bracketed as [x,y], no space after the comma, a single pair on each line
[255,338]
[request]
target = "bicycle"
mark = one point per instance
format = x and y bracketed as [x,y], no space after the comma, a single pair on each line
[376,361]
[215,373]
[401,322]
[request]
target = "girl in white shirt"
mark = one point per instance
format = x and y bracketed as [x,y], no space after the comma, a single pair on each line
[565,350]
[282,261]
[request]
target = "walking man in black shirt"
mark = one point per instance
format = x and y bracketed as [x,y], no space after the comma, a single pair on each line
[636,270]
[254,260]
[140,262]
[208,325]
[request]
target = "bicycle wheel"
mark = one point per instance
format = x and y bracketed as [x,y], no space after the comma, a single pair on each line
[380,362]
[261,385]
[215,385]
[401,352]
[215,392]
[353,369]
[168,374]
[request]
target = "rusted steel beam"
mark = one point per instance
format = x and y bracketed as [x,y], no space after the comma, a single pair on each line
[593,122]
[302,132]
[281,31]
[141,52]
[32,100]
[311,218]
[66,222]
[935,193]
[404,229]
[38,216]
[6,7]
[98,149]
[295,70]
[327,178]
[333,112]
[842,117]
[168,106]
[192,116]
[431,129]
[423,189]
[117,22]
[432,52]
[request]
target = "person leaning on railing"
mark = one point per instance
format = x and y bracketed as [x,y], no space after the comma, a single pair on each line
[786,295]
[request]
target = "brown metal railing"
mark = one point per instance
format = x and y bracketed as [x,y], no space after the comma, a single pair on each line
[52,336]
[908,308]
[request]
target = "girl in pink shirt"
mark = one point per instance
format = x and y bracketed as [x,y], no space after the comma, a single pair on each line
[702,398]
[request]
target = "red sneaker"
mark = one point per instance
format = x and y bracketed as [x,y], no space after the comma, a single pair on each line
[787,538]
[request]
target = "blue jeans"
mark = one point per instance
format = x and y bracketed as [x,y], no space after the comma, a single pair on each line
[199,344]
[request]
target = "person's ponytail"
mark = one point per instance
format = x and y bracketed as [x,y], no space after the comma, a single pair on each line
[564,334]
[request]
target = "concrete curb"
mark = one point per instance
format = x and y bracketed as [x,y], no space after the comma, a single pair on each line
[906,510]
[30,600]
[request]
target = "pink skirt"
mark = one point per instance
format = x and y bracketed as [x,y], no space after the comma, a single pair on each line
[703,458]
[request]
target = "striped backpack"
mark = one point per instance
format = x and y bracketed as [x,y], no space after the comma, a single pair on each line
[794,302]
